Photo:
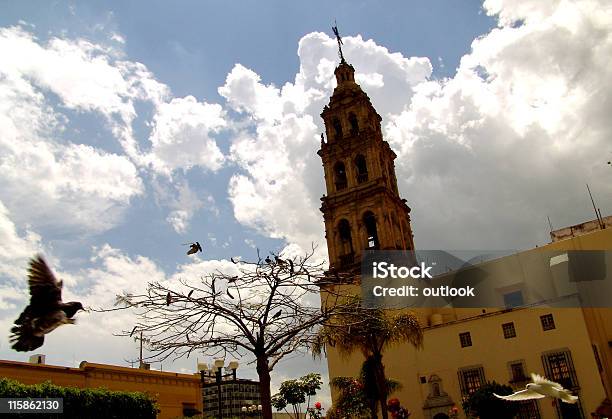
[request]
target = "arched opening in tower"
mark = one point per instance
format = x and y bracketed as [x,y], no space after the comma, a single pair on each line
[370,224]
[362,168]
[337,128]
[340,176]
[346,243]
[354,124]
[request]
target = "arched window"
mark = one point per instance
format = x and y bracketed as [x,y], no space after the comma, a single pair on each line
[337,128]
[435,389]
[346,243]
[362,168]
[354,124]
[340,176]
[370,224]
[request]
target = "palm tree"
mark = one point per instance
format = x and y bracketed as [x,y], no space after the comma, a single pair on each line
[371,331]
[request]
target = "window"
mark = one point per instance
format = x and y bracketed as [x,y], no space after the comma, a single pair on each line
[337,128]
[340,176]
[528,409]
[548,322]
[513,299]
[559,367]
[465,339]
[471,379]
[346,243]
[354,124]
[517,372]
[423,380]
[370,223]
[509,330]
[362,168]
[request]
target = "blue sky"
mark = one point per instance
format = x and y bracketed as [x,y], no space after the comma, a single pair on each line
[129,128]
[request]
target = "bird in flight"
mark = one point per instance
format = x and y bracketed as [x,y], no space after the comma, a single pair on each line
[540,388]
[46,311]
[194,248]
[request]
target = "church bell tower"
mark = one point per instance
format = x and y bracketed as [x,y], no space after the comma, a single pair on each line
[362,208]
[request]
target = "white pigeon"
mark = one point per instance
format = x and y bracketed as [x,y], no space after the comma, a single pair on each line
[540,388]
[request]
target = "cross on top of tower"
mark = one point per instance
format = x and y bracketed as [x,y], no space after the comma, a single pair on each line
[340,43]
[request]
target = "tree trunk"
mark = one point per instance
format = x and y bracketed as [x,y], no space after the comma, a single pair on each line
[381,383]
[264,387]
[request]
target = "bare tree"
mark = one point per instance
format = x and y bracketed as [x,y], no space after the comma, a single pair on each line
[268,309]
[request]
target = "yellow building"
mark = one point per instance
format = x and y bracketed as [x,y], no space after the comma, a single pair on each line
[463,348]
[176,394]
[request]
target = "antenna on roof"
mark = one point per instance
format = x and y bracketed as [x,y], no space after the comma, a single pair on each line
[594,207]
[550,224]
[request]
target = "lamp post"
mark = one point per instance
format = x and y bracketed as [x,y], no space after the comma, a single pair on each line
[215,371]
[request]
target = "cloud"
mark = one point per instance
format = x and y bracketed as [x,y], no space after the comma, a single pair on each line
[483,156]
[181,135]
[515,134]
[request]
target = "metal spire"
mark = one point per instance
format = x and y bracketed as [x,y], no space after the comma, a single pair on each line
[339,39]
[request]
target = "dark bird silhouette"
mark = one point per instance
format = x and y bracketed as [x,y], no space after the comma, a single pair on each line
[229,294]
[213,286]
[279,260]
[232,279]
[277,315]
[168,299]
[268,260]
[195,248]
[291,266]
[46,311]
[233,261]
[133,330]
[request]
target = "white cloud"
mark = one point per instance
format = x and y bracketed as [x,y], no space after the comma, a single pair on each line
[181,135]
[515,134]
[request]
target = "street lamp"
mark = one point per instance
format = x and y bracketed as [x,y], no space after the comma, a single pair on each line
[215,371]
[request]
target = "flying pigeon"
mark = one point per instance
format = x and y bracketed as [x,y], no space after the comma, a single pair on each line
[46,311]
[195,248]
[540,388]
[168,299]
[190,292]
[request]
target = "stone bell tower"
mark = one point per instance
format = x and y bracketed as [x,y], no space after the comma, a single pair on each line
[362,208]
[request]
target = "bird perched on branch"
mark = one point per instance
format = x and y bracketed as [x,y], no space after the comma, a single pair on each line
[168,299]
[540,388]
[46,311]
[268,260]
[194,248]
[233,279]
